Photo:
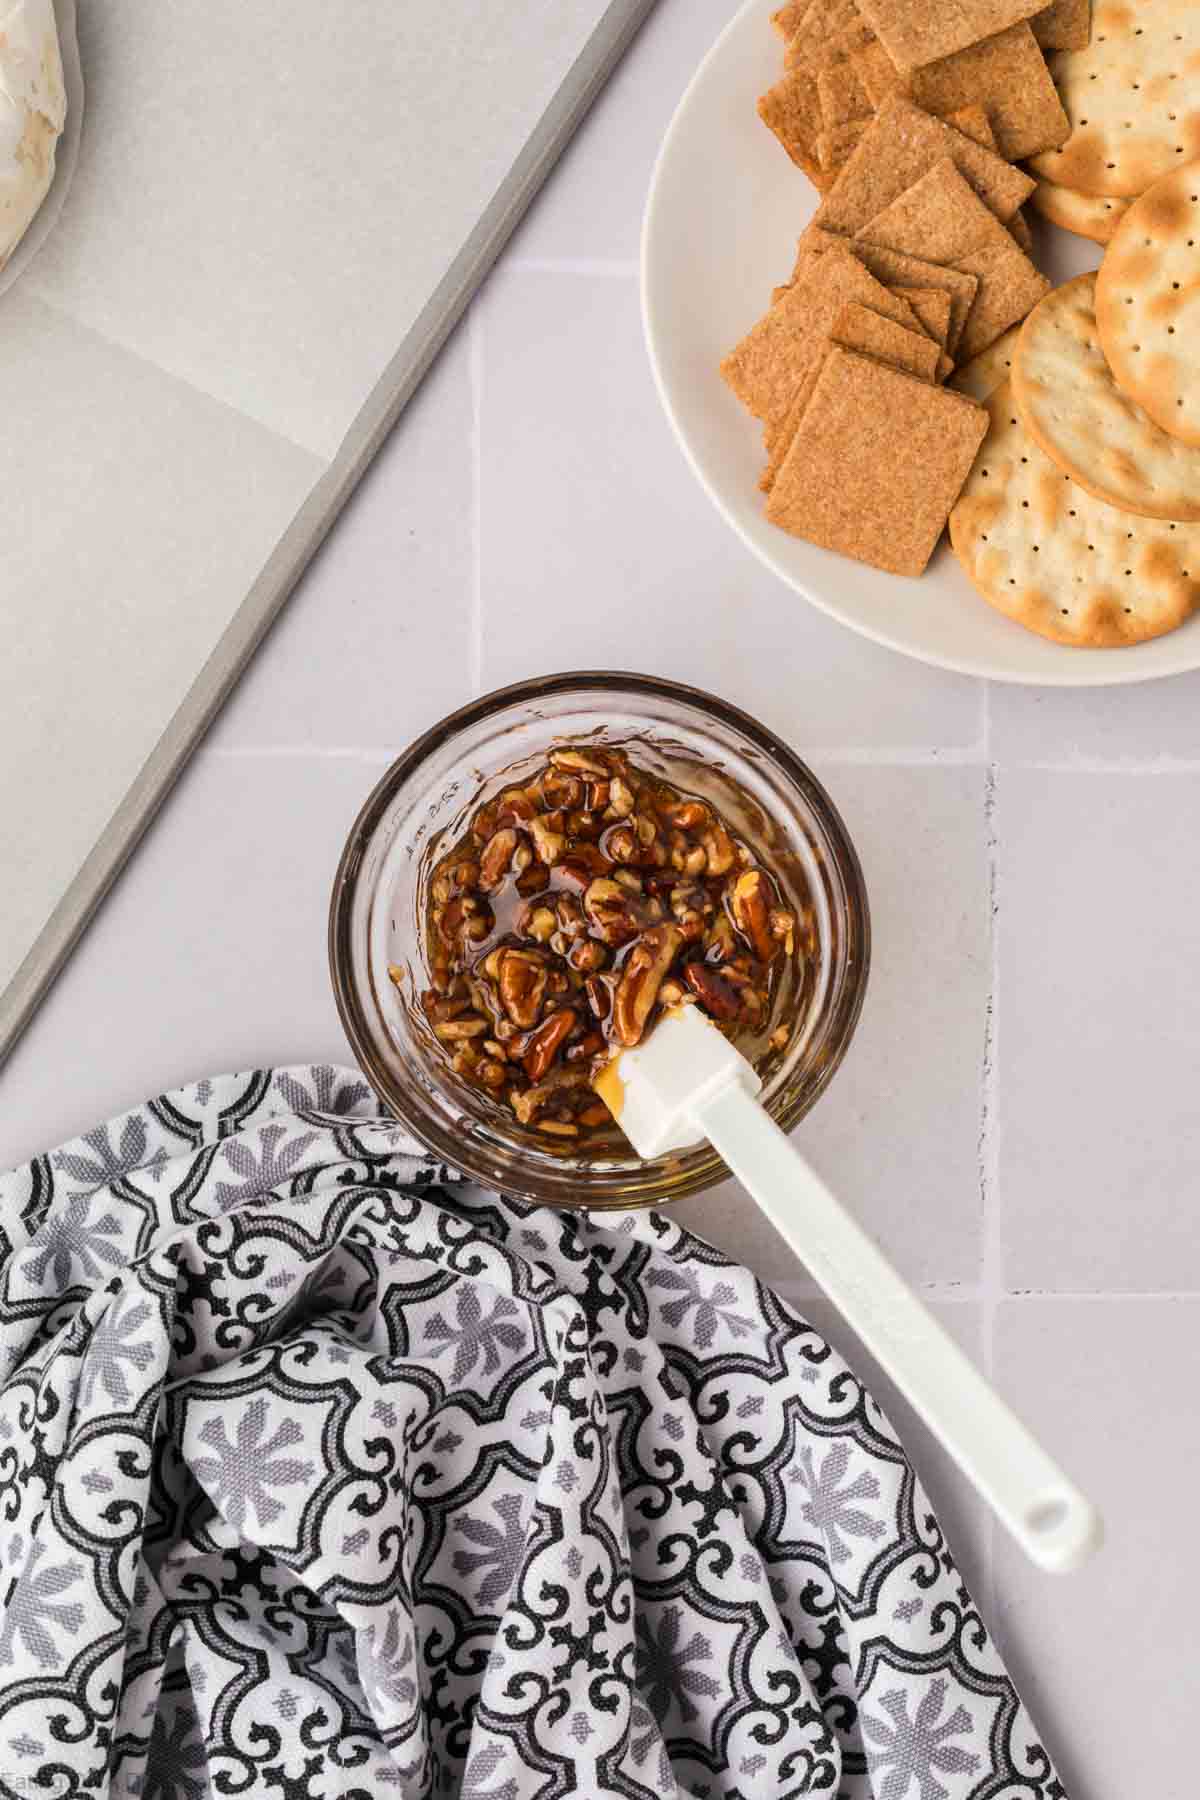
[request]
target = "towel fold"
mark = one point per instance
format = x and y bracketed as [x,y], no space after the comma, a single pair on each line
[325,1474]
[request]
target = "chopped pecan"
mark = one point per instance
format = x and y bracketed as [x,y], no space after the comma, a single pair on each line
[620,797]
[599,997]
[643,974]
[548,844]
[514,807]
[587,956]
[783,928]
[614,912]
[720,942]
[465,920]
[533,880]
[497,855]
[580,762]
[458,878]
[719,851]
[529,1102]
[727,995]
[750,902]
[622,844]
[583,865]
[545,1042]
[454,1029]
[440,1010]
[568,909]
[539,923]
[523,978]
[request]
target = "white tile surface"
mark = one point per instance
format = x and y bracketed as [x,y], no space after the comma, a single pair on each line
[1108,1657]
[1154,723]
[896,1134]
[587,506]
[209,956]
[393,588]
[592,210]
[1098,1001]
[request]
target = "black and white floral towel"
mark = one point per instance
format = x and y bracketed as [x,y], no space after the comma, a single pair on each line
[322,1474]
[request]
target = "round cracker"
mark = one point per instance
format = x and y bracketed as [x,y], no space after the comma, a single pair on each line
[1148,303]
[1059,562]
[1094,430]
[984,373]
[1131,97]
[1094,216]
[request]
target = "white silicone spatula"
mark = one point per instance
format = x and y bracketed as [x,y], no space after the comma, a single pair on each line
[685,1082]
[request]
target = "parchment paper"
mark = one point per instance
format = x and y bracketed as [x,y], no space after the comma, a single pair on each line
[277,212]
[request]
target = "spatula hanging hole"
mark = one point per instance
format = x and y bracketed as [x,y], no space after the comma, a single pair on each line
[1047,1516]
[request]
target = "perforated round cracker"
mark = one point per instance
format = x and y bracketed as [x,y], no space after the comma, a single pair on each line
[1148,303]
[986,372]
[1094,430]
[1059,562]
[1094,216]
[1132,96]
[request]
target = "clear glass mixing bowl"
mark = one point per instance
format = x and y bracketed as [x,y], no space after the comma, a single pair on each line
[425,801]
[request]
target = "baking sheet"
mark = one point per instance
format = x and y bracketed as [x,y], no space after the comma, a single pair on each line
[273,225]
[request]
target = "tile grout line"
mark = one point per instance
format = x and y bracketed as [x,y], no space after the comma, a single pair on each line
[990,1260]
[475,368]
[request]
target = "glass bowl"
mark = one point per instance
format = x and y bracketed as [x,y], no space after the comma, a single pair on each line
[425,801]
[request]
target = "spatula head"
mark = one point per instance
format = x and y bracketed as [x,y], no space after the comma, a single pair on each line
[655,1091]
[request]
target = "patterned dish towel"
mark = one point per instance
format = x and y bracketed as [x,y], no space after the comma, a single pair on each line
[324,1474]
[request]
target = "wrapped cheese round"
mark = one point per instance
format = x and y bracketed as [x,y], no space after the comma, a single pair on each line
[33,110]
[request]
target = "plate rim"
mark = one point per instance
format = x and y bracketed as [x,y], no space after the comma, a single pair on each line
[1086,674]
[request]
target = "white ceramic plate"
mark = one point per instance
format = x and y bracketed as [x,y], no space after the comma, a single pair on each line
[725,209]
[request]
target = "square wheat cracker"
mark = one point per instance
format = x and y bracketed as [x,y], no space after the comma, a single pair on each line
[942,220]
[855,328]
[1009,288]
[792,110]
[896,150]
[843,97]
[916,32]
[894,271]
[836,147]
[765,368]
[877,463]
[778,441]
[933,307]
[972,121]
[1066,25]
[858,328]
[1008,77]
[788,20]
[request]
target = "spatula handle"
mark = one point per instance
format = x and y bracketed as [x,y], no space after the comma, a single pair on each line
[1051,1520]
